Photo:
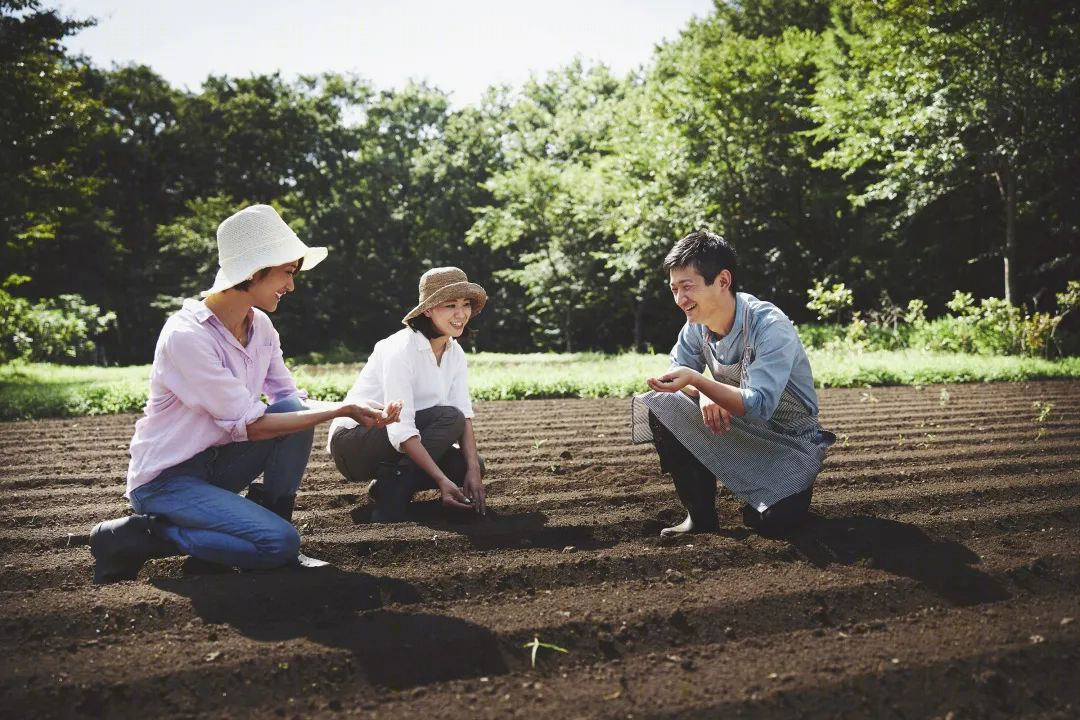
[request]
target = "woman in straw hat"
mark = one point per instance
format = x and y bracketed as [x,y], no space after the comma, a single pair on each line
[432,446]
[206,434]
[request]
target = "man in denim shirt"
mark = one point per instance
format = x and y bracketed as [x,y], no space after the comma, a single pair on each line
[752,425]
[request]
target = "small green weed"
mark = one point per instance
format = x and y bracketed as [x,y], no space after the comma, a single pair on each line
[1042,414]
[1042,410]
[536,645]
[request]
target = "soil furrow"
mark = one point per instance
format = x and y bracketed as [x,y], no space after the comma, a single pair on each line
[705,591]
[448,658]
[327,508]
[937,574]
[586,528]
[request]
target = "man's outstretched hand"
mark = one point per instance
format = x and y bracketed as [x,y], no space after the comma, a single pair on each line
[673,380]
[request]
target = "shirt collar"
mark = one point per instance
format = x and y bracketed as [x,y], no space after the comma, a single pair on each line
[728,341]
[417,340]
[203,314]
[198,309]
[421,344]
[740,312]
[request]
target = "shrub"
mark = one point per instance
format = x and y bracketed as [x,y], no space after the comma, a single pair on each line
[15,340]
[819,337]
[988,327]
[829,302]
[60,329]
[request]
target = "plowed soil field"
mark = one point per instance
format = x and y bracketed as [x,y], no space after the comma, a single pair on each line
[937,577]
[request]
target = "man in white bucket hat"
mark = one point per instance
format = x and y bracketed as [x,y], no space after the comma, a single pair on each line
[206,434]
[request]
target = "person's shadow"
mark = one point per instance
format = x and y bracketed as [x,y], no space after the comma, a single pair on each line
[943,566]
[394,648]
[497,530]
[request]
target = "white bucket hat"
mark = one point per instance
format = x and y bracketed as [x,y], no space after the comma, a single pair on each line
[257,238]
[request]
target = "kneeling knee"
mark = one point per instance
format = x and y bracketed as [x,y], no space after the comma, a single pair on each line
[292,403]
[281,546]
[453,415]
[450,417]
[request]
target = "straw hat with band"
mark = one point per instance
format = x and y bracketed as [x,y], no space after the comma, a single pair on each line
[440,284]
[256,238]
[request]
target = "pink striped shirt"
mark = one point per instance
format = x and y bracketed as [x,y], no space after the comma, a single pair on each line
[205,389]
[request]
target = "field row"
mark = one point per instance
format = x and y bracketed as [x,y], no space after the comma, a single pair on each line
[938,574]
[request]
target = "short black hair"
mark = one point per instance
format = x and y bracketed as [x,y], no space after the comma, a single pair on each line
[260,274]
[423,324]
[708,252]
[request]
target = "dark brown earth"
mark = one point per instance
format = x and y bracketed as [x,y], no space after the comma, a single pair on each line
[938,577]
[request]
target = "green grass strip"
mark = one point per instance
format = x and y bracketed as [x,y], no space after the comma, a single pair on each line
[42,390]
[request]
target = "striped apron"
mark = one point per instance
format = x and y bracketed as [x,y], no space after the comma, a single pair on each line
[762,462]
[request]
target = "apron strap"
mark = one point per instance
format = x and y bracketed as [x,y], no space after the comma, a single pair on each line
[746,359]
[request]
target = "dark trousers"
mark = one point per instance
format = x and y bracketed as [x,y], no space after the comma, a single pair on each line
[696,487]
[358,451]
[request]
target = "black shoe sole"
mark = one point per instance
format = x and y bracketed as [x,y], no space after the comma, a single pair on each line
[116,569]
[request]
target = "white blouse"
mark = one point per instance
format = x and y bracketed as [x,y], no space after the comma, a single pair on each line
[402,367]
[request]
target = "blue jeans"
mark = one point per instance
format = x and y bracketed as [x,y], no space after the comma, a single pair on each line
[208,519]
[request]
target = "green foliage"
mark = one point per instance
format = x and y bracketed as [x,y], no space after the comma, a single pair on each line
[46,117]
[40,390]
[65,328]
[928,98]
[61,329]
[1069,300]
[1042,410]
[550,205]
[502,376]
[991,326]
[904,145]
[828,302]
[988,327]
[838,368]
[737,90]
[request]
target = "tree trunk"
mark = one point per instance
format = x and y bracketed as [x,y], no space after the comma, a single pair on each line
[567,325]
[1011,295]
[639,317]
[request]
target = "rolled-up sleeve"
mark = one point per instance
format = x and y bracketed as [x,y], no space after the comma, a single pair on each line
[279,383]
[197,376]
[775,349]
[397,378]
[689,351]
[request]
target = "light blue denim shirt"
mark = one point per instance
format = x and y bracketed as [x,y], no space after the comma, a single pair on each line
[779,360]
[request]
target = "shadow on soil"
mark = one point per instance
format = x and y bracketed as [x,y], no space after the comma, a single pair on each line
[943,566]
[393,648]
[497,531]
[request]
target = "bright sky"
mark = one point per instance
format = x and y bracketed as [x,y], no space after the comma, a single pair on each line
[460,46]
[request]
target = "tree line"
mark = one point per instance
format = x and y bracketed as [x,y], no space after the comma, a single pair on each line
[906,148]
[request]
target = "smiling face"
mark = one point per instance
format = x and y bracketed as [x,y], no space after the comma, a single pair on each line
[267,288]
[701,302]
[451,317]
